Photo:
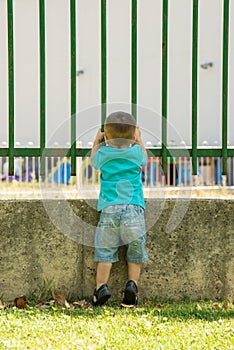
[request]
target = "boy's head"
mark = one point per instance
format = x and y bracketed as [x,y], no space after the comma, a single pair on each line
[119,126]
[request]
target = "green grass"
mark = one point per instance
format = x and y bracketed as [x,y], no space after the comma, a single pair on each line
[170,325]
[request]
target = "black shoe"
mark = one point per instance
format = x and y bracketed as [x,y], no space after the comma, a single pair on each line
[101,295]
[130,293]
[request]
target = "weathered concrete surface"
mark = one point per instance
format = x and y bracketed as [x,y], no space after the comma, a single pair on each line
[195,259]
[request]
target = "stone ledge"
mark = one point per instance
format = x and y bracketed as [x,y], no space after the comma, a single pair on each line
[49,243]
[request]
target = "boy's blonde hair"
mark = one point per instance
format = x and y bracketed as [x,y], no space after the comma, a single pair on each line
[120,125]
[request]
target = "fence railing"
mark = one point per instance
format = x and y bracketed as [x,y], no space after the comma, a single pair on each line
[159,154]
[57,171]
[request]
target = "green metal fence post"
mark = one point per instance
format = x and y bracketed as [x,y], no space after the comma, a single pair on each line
[134,59]
[225,85]
[73,84]
[11,86]
[194,86]
[103,63]
[164,84]
[42,86]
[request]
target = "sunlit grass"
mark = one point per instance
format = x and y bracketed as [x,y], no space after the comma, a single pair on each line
[152,325]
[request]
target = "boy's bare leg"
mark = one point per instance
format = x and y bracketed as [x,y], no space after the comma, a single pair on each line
[103,273]
[134,271]
[131,290]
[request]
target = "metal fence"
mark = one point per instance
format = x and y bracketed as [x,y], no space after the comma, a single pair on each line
[58,172]
[163,168]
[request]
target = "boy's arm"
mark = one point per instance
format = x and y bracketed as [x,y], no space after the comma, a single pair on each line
[97,143]
[139,141]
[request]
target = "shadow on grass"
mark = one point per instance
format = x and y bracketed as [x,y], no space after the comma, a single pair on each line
[209,311]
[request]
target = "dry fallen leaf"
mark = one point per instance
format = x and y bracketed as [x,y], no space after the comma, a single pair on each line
[82,303]
[21,302]
[199,308]
[60,299]
[217,306]
[68,306]
[225,305]
[158,308]
[2,307]
[42,306]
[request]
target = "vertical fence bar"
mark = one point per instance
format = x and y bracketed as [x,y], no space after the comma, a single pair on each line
[225,85]
[11,86]
[103,62]
[134,59]
[194,86]
[73,84]
[42,85]
[164,84]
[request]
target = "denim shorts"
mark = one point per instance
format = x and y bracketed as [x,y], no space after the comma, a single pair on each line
[121,224]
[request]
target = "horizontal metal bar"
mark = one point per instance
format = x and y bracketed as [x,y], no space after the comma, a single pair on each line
[83,152]
[183,152]
[48,152]
[4,152]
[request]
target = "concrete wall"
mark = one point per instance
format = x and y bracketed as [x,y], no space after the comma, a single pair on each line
[195,259]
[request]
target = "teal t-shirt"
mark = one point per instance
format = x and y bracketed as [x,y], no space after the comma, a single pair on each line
[120,175]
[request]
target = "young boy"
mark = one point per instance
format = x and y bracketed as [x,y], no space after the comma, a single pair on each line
[121,203]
